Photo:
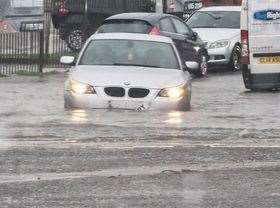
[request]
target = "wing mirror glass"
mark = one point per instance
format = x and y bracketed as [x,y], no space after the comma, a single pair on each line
[192,65]
[68,60]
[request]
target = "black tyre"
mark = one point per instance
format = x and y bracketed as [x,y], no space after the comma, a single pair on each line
[235,64]
[203,66]
[247,77]
[188,107]
[185,106]
[75,38]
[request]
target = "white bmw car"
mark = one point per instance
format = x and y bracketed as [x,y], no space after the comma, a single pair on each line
[128,71]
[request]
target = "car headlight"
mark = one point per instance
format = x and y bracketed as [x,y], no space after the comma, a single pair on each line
[174,92]
[80,88]
[219,44]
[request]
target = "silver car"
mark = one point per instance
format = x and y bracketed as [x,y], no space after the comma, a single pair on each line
[219,28]
[128,71]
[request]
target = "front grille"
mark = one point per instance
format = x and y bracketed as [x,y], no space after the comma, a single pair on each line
[219,57]
[138,92]
[115,91]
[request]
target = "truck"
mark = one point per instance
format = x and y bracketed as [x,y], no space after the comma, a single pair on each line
[260,35]
[76,20]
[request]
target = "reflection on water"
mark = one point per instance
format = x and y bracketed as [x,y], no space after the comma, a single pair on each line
[174,117]
[194,189]
[79,116]
[126,118]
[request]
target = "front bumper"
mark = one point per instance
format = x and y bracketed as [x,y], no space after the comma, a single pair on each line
[89,101]
[219,56]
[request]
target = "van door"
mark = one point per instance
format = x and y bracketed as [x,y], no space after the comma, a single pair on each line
[264,36]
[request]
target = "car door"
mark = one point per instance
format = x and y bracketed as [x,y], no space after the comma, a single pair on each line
[188,44]
[167,29]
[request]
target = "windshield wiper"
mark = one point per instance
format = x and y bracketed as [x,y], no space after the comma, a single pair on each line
[141,65]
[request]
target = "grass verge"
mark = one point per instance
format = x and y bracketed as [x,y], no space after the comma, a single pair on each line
[27,73]
[35,57]
[2,75]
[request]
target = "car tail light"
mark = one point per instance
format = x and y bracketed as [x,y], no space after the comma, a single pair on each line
[63,10]
[5,26]
[154,31]
[245,47]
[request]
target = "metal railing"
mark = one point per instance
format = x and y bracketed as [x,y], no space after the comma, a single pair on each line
[41,44]
[101,6]
[21,50]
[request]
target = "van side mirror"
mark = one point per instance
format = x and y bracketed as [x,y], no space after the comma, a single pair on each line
[192,65]
[68,60]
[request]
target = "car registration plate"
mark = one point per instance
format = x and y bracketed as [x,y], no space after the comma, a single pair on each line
[269,60]
[129,105]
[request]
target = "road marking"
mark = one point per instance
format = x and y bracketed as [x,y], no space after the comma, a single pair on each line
[137,147]
[138,171]
[68,143]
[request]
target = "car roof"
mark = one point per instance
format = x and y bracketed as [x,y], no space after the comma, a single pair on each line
[152,18]
[130,36]
[222,8]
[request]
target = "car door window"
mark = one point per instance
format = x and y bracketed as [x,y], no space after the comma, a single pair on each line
[181,27]
[166,25]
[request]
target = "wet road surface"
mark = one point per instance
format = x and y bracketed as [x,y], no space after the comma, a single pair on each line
[224,153]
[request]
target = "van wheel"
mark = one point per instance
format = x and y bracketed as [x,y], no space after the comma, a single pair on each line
[235,64]
[75,37]
[247,77]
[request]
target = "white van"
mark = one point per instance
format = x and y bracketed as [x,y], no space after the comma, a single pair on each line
[260,37]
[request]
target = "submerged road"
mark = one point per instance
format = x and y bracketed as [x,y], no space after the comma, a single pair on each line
[224,153]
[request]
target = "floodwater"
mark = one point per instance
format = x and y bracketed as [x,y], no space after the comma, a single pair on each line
[32,107]
[223,153]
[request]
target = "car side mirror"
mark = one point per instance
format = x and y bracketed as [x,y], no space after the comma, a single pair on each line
[195,36]
[192,65]
[68,60]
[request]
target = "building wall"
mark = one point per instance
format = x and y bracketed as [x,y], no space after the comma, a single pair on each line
[222,2]
[26,3]
[177,5]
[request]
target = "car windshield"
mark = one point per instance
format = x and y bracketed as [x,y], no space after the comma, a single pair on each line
[130,53]
[133,26]
[215,19]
